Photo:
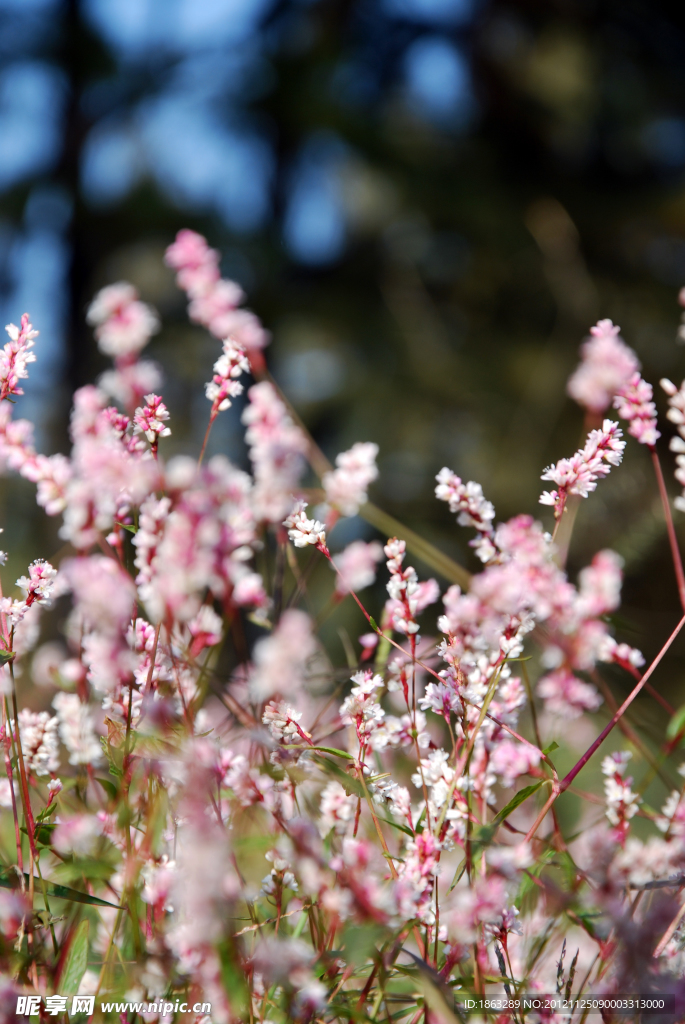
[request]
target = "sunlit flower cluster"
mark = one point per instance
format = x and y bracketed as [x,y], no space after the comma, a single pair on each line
[293,816]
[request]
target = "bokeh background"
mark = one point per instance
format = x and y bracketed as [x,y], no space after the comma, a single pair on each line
[428,202]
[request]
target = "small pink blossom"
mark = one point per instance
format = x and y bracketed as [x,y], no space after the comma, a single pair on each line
[634,403]
[346,486]
[622,802]
[213,301]
[282,722]
[579,474]
[277,448]
[40,581]
[76,729]
[566,695]
[474,510]
[511,759]
[303,531]
[15,357]
[196,263]
[123,324]
[356,566]
[280,660]
[223,385]
[152,419]
[607,364]
[337,809]
[676,414]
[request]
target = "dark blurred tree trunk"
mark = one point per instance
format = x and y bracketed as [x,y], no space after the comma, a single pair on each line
[74,43]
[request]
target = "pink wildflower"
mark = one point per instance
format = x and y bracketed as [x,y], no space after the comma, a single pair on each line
[579,474]
[282,722]
[337,809]
[402,588]
[607,364]
[566,695]
[361,708]
[76,729]
[196,263]
[346,486]
[676,414]
[303,531]
[213,301]
[15,357]
[151,420]
[280,660]
[40,582]
[474,510]
[634,403]
[510,760]
[356,566]
[622,802]
[123,324]
[104,593]
[276,447]
[38,731]
[223,385]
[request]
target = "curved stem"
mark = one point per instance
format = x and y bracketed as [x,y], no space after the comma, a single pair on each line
[670,528]
[565,782]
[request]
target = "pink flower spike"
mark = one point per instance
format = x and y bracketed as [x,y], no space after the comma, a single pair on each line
[303,531]
[197,265]
[634,403]
[346,486]
[150,421]
[474,510]
[579,474]
[123,324]
[223,385]
[606,365]
[15,357]
[39,582]
[214,300]
[676,414]
[356,566]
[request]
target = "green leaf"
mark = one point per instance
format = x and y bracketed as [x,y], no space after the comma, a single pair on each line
[352,786]
[677,723]
[402,828]
[76,962]
[516,801]
[9,879]
[483,835]
[324,750]
[131,529]
[114,769]
[373,623]
[551,748]
[528,887]
[359,942]
[43,833]
[109,788]
[45,813]
[333,750]
[6,656]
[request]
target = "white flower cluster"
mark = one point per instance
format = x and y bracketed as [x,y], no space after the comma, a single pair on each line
[676,414]
[622,802]
[303,531]
[473,508]
[347,485]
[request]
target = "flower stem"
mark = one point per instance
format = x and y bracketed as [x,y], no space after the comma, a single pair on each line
[670,528]
[568,779]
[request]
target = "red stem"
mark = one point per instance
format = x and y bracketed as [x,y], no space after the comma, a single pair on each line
[670,528]
[565,782]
